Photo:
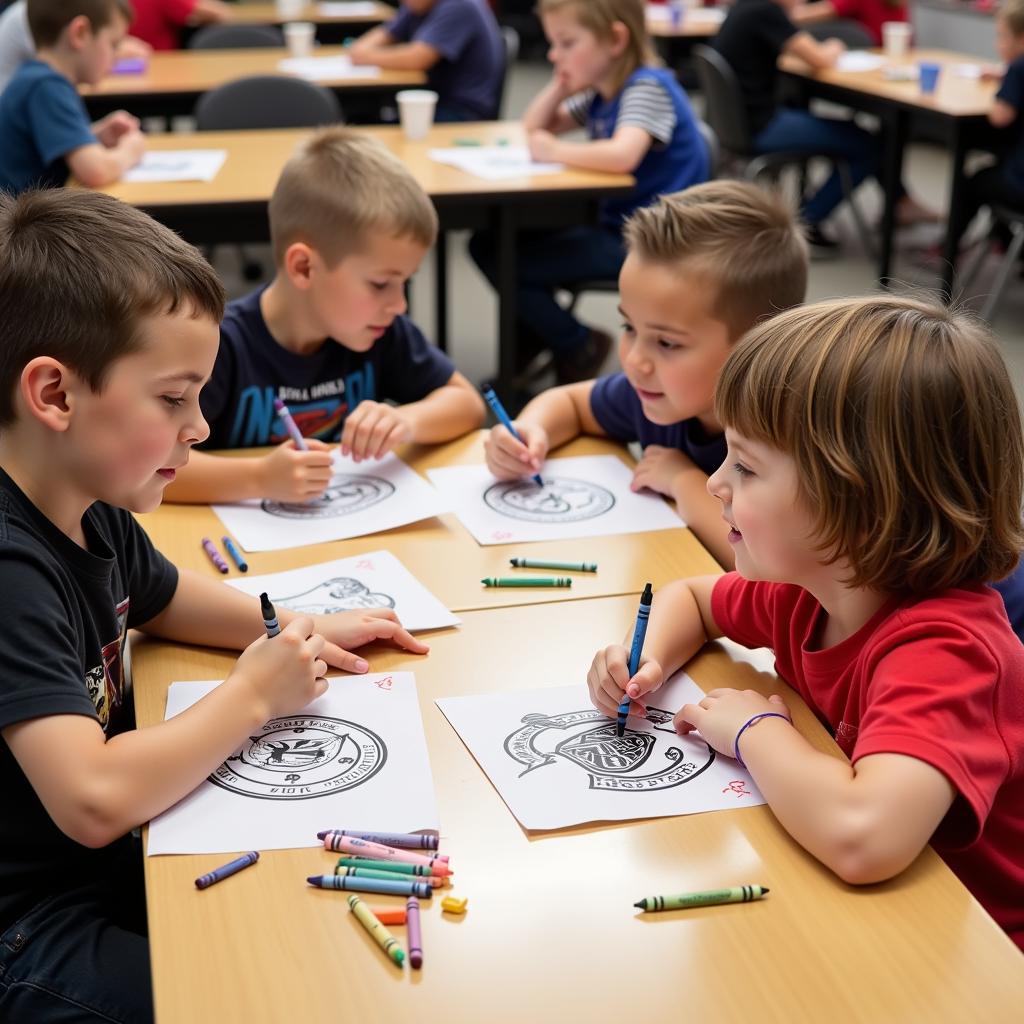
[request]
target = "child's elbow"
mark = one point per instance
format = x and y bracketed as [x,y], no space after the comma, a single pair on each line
[868,855]
[90,821]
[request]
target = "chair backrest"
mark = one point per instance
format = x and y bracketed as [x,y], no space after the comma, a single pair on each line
[707,133]
[724,108]
[510,37]
[235,37]
[266,101]
[852,33]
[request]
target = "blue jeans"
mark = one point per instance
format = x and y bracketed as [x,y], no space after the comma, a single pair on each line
[545,260]
[798,129]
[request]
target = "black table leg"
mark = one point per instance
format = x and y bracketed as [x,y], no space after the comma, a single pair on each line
[441,290]
[956,191]
[506,278]
[895,125]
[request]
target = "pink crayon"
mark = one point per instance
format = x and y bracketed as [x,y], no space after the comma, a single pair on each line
[362,847]
[412,919]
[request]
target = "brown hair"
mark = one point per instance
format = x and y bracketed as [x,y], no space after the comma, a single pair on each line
[78,272]
[47,19]
[339,185]
[598,17]
[1012,12]
[744,240]
[906,434]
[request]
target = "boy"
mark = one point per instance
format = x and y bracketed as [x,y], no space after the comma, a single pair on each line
[703,266]
[109,332]
[456,42]
[45,134]
[349,227]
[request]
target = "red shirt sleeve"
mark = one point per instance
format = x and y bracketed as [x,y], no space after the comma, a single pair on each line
[742,610]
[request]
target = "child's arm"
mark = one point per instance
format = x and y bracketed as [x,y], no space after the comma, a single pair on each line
[547,110]
[817,55]
[551,419]
[621,154]
[285,474]
[96,165]
[412,56]
[812,13]
[377,38]
[1001,114]
[209,12]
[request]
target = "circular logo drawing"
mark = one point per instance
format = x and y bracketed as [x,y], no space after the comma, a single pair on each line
[342,593]
[302,757]
[346,493]
[560,500]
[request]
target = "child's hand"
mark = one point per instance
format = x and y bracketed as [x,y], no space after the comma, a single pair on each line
[832,49]
[133,143]
[284,672]
[373,429]
[658,468]
[287,474]
[355,628]
[722,713]
[608,679]
[509,459]
[111,128]
[361,53]
[992,72]
[542,145]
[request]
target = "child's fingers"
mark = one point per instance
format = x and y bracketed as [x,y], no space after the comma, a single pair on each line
[396,633]
[688,718]
[345,660]
[647,678]
[382,613]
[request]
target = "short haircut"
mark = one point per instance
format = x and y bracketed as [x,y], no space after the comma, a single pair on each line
[598,17]
[905,430]
[340,185]
[78,272]
[47,19]
[1012,13]
[743,240]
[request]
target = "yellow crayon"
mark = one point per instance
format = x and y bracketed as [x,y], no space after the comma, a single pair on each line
[383,938]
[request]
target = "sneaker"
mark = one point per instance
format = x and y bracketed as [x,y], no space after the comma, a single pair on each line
[584,362]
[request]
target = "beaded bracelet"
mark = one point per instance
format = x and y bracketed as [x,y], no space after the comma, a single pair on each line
[746,725]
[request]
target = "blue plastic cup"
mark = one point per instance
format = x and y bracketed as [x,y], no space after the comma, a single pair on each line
[929,71]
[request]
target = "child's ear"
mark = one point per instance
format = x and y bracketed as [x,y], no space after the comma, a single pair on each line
[79,31]
[298,264]
[45,387]
[619,38]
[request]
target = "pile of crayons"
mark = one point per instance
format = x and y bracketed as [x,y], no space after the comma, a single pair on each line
[539,581]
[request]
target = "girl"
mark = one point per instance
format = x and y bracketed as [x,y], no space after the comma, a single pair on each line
[873,481]
[832,16]
[638,121]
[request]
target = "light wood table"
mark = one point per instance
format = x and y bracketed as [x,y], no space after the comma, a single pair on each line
[442,554]
[551,932]
[330,28]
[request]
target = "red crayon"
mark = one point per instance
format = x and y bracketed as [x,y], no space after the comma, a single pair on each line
[361,847]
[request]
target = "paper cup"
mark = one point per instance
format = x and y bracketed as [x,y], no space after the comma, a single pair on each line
[416,111]
[895,38]
[288,10]
[299,36]
[928,75]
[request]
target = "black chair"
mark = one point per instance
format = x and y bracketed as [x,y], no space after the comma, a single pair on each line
[235,37]
[510,37]
[851,33]
[1014,220]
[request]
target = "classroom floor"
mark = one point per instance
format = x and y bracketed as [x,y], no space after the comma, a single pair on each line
[473,341]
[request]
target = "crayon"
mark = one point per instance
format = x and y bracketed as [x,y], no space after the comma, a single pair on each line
[226,870]
[129,66]
[273,627]
[398,887]
[383,938]
[527,581]
[215,555]
[434,881]
[639,632]
[466,142]
[384,865]
[740,894]
[389,915]
[236,555]
[533,563]
[412,913]
[289,424]
[402,840]
[349,844]
[499,411]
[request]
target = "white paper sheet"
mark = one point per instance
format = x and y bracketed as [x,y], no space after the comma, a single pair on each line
[662,14]
[327,69]
[374,580]
[555,759]
[494,163]
[363,497]
[356,757]
[177,165]
[586,496]
[347,8]
[859,60]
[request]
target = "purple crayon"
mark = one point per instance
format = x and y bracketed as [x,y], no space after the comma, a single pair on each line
[215,556]
[227,870]
[398,887]
[412,921]
[290,425]
[403,840]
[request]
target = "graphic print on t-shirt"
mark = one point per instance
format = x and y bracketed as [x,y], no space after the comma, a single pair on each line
[105,682]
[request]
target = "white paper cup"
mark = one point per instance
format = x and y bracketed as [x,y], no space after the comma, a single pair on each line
[895,38]
[299,36]
[416,111]
[289,10]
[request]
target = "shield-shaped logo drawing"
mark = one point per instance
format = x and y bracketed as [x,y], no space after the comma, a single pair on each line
[600,750]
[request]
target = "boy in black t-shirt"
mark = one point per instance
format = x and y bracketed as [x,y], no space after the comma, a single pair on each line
[109,331]
[328,336]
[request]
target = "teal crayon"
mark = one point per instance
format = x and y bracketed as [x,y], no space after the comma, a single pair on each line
[236,555]
[527,581]
[434,881]
[533,563]
[391,887]
[384,865]
[739,894]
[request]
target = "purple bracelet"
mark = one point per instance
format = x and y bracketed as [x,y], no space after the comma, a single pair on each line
[746,725]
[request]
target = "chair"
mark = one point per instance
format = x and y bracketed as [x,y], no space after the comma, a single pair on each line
[510,37]
[1014,220]
[851,33]
[235,37]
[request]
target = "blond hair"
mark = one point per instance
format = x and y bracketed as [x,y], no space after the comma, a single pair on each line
[340,185]
[1012,13]
[906,434]
[743,240]
[599,17]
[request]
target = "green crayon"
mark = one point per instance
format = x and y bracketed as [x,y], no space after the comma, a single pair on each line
[394,866]
[532,563]
[467,142]
[527,581]
[363,872]
[740,894]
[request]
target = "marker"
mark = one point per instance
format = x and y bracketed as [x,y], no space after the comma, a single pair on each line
[397,887]
[412,913]
[236,555]
[403,840]
[526,581]
[499,410]
[289,424]
[215,555]
[434,881]
[740,894]
[384,865]
[269,615]
[225,870]
[389,915]
[639,632]
[380,934]
[349,844]
[533,563]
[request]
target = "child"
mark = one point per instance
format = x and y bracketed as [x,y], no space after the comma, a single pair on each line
[160,22]
[638,122]
[874,480]
[349,227]
[45,133]
[703,266]
[456,42]
[110,331]
[871,15]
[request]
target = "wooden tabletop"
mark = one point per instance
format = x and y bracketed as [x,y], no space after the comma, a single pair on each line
[551,932]
[696,23]
[266,14]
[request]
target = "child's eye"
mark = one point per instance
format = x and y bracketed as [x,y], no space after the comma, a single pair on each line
[627,328]
[668,346]
[741,469]
[379,285]
[173,400]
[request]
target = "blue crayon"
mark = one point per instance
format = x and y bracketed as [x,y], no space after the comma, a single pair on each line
[398,887]
[499,411]
[403,840]
[226,870]
[639,632]
[236,555]
[269,616]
